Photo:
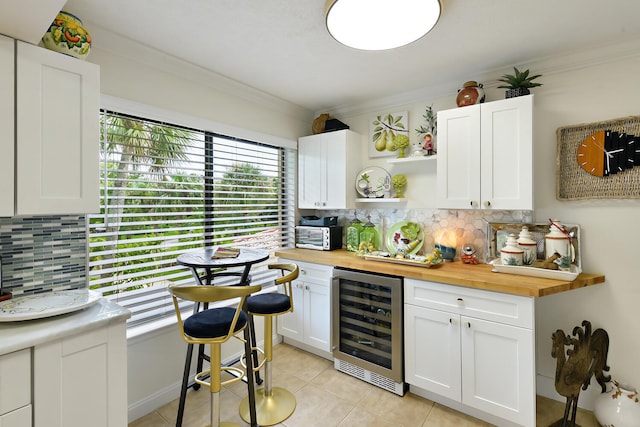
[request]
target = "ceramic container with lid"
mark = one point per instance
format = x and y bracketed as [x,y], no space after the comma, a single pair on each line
[528,245]
[558,240]
[470,94]
[511,254]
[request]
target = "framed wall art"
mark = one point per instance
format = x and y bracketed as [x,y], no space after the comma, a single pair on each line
[599,160]
[382,129]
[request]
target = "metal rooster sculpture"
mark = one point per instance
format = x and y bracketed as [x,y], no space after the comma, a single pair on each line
[587,358]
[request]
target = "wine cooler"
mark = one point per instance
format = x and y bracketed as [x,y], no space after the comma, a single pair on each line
[367,328]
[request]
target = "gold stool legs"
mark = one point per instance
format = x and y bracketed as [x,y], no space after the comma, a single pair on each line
[215,385]
[273,404]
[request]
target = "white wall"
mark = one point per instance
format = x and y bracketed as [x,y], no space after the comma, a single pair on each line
[609,228]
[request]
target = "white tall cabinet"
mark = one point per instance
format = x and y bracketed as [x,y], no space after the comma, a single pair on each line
[52,151]
[327,167]
[310,321]
[485,156]
[471,348]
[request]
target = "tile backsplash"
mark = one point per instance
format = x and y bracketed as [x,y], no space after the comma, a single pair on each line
[469,226]
[43,253]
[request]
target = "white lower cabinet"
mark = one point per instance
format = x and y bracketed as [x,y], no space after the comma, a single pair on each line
[15,389]
[310,322]
[81,380]
[472,347]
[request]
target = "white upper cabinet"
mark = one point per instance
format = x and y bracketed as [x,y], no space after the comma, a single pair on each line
[327,168]
[485,156]
[49,137]
[7,134]
[57,140]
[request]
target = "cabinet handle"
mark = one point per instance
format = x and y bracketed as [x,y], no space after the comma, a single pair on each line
[460,301]
[471,203]
[303,271]
[468,324]
[306,287]
[487,204]
[450,321]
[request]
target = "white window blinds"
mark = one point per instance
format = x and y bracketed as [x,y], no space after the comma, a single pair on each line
[167,189]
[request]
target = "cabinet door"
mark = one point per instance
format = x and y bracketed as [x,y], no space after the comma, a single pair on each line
[57,114]
[290,324]
[311,172]
[15,380]
[18,418]
[507,154]
[432,350]
[7,126]
[81,380]
[317,315]
[458,158]
[498,370]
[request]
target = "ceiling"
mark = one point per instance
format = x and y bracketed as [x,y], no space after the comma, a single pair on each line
[281,47]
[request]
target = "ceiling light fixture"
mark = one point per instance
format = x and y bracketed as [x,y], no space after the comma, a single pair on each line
[380,24]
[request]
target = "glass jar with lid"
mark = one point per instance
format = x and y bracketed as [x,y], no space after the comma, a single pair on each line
[353,233]
[369,236]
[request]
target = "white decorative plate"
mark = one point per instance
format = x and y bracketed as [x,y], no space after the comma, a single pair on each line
[46,304]
[373,182]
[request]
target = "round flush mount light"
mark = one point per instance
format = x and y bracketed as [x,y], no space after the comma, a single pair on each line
[380,24]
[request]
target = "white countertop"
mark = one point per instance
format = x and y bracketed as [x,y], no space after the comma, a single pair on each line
[28,333]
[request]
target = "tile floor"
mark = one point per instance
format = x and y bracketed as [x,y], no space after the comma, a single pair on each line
[326,397]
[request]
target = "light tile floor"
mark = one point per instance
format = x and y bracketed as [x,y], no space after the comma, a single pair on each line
[326,398]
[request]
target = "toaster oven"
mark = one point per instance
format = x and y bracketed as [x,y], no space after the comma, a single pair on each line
[319,238]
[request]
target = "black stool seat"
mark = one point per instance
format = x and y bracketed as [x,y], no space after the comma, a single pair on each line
[270,303]
[214,322]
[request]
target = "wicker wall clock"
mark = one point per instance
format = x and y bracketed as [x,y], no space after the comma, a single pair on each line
[599,160]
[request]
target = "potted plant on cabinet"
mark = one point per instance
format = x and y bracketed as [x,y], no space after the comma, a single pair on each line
[519,83]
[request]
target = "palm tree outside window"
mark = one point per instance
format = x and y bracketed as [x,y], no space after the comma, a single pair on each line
[166,189]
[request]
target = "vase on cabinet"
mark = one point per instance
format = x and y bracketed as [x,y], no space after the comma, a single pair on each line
[67,35]
[619,407]
[470,94]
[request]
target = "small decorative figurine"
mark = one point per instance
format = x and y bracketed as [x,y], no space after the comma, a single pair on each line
[587,358]
[468,255]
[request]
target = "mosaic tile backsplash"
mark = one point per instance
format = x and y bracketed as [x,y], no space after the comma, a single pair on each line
[41,254]
[468,226]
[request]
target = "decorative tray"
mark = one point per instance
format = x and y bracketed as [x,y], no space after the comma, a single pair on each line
[393,260]
[497,233]
[46,304]
[544,273]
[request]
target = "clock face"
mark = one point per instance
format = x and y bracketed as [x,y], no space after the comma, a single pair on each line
[591,154]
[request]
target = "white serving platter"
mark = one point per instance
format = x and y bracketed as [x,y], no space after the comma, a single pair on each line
[47,304]
[544,273]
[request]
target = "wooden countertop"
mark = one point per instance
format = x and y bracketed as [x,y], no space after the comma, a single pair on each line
[454,273]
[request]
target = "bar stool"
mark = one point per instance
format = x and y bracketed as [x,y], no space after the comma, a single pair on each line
[214,326]
[273,404]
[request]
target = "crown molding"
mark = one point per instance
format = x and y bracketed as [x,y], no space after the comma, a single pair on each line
[556,64]
[115,44]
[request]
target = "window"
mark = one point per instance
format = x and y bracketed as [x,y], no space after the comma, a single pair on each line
[166,189]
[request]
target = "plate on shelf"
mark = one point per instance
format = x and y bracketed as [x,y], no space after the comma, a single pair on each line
[373,182]
[405,237]
[524,270]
